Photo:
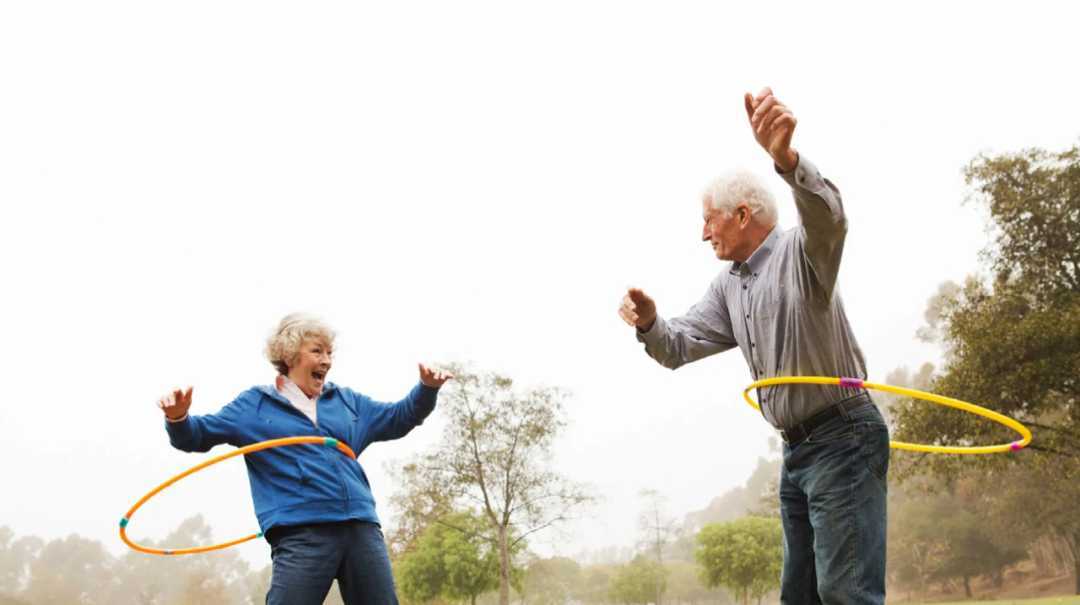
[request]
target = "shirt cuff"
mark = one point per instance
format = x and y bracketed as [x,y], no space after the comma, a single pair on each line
[654,333]
[425,400]
[180,431]
[805,176]
[426,388]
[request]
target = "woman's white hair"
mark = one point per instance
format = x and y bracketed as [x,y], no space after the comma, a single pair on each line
[283,346]
[728,191]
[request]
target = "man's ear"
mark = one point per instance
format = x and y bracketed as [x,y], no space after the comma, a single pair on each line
[744,215]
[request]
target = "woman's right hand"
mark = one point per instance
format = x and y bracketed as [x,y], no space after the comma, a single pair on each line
[175,405]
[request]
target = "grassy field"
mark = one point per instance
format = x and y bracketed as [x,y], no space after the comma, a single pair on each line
[1074,600]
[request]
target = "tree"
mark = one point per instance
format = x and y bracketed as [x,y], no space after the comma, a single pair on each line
[684,585]
[15,558]
[970,551]
[495,455]
[1034,201]
[71,570]
[553,581]
[658,530]
[914,550]
[743,555]
[453,557]
[945,534]
[1013,342]
[420,573]
[596,583]
[78,570]
[638,581]
[217,577]
[257,584]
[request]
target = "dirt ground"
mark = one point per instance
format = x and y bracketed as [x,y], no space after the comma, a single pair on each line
[1016,586]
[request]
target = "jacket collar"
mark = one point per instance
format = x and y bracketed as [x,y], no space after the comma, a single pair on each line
[271,391]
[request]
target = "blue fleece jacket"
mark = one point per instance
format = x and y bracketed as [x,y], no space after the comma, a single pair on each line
[301,484]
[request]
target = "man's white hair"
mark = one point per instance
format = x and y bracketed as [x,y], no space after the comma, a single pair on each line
[728,191]
[283,346]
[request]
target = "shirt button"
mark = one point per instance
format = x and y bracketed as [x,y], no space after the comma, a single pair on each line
[744,286]
[747,316]
[752,345]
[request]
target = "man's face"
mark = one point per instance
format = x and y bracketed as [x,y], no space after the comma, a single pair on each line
[724,231]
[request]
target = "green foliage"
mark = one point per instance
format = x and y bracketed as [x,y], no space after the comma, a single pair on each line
[1044,601]
[1034,202]
[945,535]
[596,583]
[1012,344]
[553,581]
[495,454]
[745,555]
[453,558]
[639,581]
[684,585]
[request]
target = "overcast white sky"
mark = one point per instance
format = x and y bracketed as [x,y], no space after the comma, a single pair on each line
[457,181]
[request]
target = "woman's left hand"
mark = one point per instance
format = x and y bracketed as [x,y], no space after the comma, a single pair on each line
[433,378]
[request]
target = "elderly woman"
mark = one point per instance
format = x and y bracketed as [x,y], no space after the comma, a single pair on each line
[313,504]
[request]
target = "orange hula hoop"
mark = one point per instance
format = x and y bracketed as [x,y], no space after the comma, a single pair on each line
[255,447]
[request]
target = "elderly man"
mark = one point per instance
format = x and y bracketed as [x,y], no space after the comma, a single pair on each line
[777,302]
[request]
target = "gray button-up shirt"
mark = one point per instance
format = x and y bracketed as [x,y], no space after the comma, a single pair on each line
[780,308]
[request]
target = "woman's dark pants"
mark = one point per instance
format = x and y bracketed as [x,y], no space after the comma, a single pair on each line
[308,558]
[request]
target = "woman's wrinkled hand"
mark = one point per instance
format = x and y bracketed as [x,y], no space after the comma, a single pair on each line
[433,378]
[175,405]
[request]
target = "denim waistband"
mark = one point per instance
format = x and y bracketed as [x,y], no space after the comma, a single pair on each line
[845,408]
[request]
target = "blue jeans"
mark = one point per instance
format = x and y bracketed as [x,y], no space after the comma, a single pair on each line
[833,507]
[307,559]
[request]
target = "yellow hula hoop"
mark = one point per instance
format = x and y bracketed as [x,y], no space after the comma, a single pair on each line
[255,447]
[855,383]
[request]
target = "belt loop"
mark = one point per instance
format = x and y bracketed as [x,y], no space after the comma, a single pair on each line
[850,403]
[844,410]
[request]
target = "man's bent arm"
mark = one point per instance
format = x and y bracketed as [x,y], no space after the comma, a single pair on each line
[822,223]
[704,330]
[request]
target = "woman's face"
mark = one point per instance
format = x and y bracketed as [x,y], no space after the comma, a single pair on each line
[312,364]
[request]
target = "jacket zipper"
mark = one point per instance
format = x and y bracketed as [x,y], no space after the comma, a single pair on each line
[277,397]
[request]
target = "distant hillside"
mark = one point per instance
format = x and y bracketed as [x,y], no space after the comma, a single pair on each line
[758,493]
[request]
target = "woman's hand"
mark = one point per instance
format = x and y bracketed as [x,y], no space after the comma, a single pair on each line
[175,405]
[433,378]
